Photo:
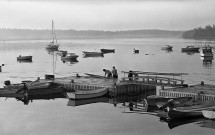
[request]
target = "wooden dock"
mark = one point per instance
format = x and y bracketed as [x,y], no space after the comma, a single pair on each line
[199,92]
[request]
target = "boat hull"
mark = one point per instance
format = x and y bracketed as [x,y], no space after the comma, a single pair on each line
[79,94]
[108,50]
[69,58]
[93,53]
[176,114]
[210,114]
[24,58]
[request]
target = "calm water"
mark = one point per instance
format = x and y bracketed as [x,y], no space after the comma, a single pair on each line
[57,116]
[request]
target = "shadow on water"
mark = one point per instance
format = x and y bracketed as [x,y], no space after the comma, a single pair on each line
[131,103]
[70,62]
[27,99]
[24,61]
[93,56]
[207,61]
[190,52]
[51,51]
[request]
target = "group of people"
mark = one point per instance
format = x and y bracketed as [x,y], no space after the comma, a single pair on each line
[110,74]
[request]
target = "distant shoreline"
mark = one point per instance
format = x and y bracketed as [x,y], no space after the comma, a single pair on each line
[27,34]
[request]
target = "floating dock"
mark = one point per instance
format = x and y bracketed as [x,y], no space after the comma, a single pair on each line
[201,92]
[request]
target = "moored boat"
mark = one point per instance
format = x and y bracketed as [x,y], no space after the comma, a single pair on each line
[154,100]
[108,50]
[93,53]
[69,56]
[206,51]
[181,114]
[24,58]
[210,114]
[135,51]
[85,94]
[167,47]
[53,44]
[190,48]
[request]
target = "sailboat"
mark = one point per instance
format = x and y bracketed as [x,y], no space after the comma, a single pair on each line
[53,44]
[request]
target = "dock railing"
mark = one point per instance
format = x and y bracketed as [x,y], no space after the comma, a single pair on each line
[154,78]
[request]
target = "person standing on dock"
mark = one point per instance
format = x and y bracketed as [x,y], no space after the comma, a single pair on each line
[107,73]
[114,72]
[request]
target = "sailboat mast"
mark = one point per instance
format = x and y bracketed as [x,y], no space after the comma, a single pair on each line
[53,36]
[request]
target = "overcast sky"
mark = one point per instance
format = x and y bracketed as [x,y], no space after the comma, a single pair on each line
[107,14]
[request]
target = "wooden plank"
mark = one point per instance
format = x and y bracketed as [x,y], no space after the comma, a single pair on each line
[153,77]
[156,73]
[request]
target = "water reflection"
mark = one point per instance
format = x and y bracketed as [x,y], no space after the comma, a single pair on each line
[190,52]
[80,102]
[51,51]
[93,56]
[27,99]
[70,62]
[207,61]
[24,61]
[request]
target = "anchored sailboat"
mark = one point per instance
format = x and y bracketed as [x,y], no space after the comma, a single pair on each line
[53,44]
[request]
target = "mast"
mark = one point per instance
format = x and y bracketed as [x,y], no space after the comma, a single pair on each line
[53,31]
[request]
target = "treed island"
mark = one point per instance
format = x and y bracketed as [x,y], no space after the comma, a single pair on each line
[200,33]
[207,32]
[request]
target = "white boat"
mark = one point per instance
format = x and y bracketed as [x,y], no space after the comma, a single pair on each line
[24,58]
[206,51]
[53,44]
[69,56]
[210,114]
[85,94]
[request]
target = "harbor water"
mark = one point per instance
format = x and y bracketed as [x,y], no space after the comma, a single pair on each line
[60,115]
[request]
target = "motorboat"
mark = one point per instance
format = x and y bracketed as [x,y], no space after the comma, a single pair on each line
[190,49]
[135,51]
[167,47]
[24,58]
[206,51]
[69,56]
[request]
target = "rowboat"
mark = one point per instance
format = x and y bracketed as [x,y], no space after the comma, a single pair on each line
[32,88]
[93,53]
[85,94]
[194,110]
[24,58]
[73,102]
[181,114]
[108,50]
[210,114]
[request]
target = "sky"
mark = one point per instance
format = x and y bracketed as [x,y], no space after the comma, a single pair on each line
[110,15]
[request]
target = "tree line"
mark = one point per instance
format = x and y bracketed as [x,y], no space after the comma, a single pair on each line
[201,33]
